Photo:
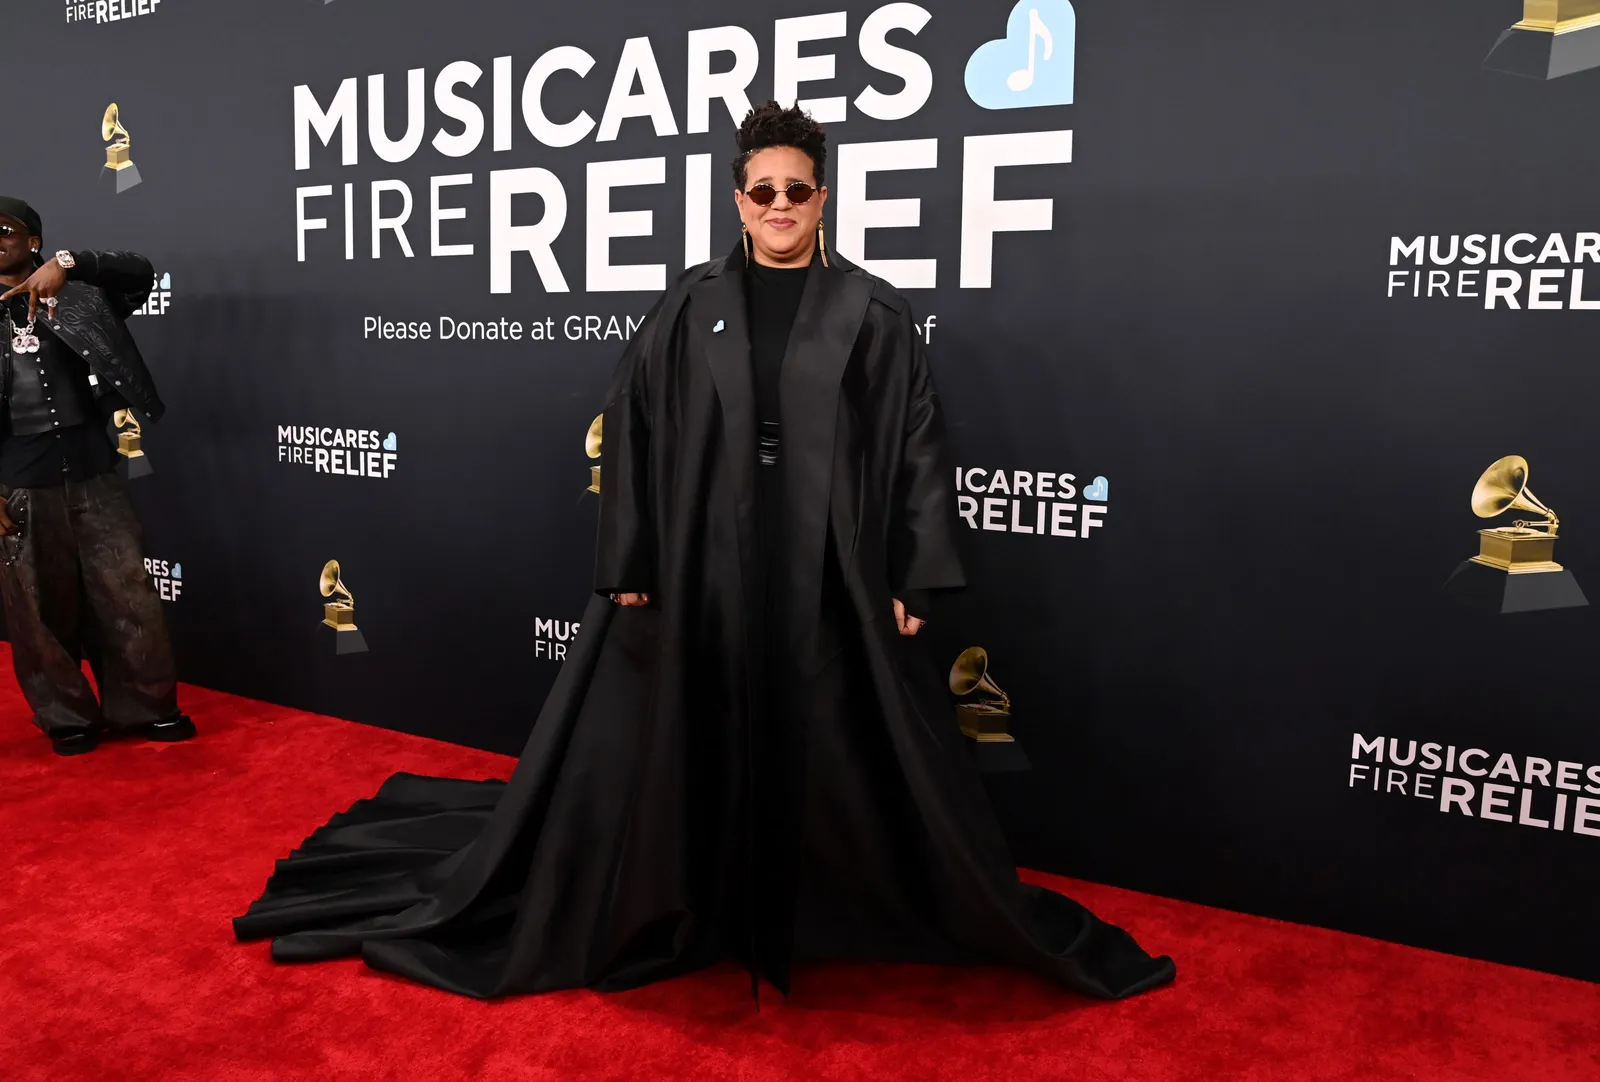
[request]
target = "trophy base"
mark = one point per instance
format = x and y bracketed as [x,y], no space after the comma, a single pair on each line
[983,722]
[1543,54]
[999,756]
[994,749]
[127,176]
[1486,588]
[1517,550]
[346,640]
[136,466]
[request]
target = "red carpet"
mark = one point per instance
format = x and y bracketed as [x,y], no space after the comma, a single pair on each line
[117,962]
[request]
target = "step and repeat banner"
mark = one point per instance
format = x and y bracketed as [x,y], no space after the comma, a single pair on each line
[1248,319]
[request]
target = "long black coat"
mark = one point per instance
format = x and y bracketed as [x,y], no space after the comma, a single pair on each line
[742,769]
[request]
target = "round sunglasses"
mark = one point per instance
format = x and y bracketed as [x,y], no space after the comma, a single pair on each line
[763,194]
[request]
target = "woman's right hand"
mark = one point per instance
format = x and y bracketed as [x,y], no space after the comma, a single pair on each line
[632,601]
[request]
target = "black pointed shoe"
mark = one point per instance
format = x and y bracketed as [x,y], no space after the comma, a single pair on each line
[170,731]
[77,742]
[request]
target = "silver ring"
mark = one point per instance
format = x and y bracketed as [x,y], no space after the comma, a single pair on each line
[50,302]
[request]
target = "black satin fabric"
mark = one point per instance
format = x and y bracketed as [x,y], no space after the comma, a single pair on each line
[756,766]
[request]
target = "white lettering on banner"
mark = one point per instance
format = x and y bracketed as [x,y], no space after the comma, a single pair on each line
[730,85]
[347,452]
[166,576]
[457,108]
[552,637]
[574,328]
[108,11]
[1023,501]
[160,298]
[394,222]
[1532,792]
[606,224]
[857,213]
[396,150]
[441,214]
[638,63]
[722,63]
[982,215]
[1471,267]
[536,240]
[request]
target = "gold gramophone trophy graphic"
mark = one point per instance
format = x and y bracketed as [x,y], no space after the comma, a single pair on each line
[591,447]
[340,613]
[1552,39]
[984,713]
[118,162]
[1515,569]
[130,437]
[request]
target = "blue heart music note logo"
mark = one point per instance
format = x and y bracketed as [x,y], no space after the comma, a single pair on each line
[1099,491]
[391,443]
[718,327]
[1034,64]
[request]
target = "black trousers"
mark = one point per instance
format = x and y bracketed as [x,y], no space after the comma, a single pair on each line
[75,587]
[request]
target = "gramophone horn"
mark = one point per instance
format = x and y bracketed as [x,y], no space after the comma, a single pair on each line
[125,418]
[111,125]
[330,584]
[971,673]
[591,442]
[1503,486]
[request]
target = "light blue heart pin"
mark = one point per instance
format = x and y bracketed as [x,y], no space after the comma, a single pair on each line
[177,571]
[391,443]
[1099,491]
[718,327]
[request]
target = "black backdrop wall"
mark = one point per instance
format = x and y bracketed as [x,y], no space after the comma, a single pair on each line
[1181,274]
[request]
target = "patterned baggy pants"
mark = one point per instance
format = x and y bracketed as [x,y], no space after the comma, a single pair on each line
[75,587]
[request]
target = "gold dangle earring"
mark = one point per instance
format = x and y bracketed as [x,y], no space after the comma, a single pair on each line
[822,243]
[744,231]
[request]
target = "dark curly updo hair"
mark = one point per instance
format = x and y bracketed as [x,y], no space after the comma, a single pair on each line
[771,125]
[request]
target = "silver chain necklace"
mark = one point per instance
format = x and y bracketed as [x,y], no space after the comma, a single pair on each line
[23,340]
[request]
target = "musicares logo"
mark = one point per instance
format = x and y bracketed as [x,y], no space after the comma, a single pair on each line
[1022,501]
[167,576]
[552,637]
[1527,791]
[108,11]
[502,112]
[160,297]
[348,452]
[1471,267]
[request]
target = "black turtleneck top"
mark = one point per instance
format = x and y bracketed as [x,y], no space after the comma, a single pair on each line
[773,297]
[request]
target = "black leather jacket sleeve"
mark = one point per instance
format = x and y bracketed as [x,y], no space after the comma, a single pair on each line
[126,277]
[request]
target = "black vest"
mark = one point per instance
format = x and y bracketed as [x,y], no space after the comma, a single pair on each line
[49,389]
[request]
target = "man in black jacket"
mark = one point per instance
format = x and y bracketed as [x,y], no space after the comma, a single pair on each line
[72,572]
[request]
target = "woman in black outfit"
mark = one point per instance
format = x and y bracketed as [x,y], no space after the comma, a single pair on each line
[747,754]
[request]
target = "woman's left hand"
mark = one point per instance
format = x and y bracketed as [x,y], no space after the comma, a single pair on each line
[908,625]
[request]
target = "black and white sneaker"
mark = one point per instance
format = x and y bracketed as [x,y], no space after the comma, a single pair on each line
[170,731]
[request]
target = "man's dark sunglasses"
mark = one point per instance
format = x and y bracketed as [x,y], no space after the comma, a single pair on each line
[799,192]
